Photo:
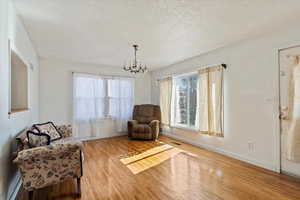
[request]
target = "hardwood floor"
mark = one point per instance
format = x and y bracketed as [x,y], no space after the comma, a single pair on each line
[181,172]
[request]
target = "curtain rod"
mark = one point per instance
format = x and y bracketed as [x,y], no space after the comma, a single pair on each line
[207,66]
[98,74]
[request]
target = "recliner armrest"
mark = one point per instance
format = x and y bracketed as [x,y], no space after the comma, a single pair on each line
[154,124]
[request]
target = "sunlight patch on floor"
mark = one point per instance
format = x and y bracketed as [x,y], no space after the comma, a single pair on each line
[150,158]
[145,154]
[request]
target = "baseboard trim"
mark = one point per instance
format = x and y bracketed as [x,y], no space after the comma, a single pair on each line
[14,195]
[101,137]
[290,174]
[225,153]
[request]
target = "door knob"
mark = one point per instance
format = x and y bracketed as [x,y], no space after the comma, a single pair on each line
[283,117]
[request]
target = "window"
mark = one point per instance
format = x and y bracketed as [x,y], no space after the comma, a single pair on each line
[18,84]
[120,95]
[89,97]
[196,100]
[102,97]
[185,101]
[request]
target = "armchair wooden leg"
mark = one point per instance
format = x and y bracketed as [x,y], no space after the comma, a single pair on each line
[78,187]
[30,195]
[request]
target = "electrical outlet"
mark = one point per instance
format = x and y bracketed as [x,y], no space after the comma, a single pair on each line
[250,146]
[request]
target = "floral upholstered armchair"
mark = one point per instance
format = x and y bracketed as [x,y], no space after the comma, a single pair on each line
[49,164]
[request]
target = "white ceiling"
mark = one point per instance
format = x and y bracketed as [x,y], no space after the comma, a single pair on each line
[168,31]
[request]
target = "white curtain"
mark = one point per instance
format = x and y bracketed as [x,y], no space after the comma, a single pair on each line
[165,100]
[293,135]
[120,95]
[211,100]
[99,97]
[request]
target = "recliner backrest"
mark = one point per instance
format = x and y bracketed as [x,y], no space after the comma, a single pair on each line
[145,113]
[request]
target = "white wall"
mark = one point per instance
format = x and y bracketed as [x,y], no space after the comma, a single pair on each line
[251,96]
[56,90]
[12,28]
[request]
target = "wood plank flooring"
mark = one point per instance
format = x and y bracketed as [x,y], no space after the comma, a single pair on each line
[181,172]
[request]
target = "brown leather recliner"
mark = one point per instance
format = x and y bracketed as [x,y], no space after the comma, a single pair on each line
[146,122]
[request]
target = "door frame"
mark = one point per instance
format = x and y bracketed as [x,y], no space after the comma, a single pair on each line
[278,146]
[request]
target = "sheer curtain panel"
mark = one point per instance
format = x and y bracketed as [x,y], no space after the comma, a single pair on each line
[165,100]
[89,104]
[121,100]
[293,134]
[100,97]
[211,100]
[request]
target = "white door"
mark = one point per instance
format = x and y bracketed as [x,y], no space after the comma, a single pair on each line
[289,67]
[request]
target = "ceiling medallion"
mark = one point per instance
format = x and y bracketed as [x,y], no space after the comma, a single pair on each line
[135,66]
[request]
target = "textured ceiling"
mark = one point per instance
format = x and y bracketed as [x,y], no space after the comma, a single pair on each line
[168,31]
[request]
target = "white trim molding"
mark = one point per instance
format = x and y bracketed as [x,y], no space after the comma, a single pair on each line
[13,195]
[223,152]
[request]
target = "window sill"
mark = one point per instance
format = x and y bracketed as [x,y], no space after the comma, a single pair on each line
[189,129]
[192,130]
[13,111]
[96,120]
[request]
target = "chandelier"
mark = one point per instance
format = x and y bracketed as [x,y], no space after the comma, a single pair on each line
[135,66]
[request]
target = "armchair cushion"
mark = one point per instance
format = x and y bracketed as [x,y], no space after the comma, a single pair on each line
[142,128]
[144,120]
[142,131]
[37,139]
[47,165]
[50,129]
